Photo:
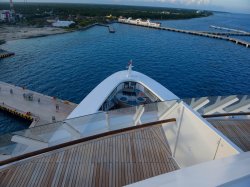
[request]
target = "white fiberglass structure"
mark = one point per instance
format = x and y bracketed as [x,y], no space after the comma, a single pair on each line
[197,147]
[111,85]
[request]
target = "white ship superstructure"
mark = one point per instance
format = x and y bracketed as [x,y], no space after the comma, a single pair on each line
[131,130]
[139,22]
[123,88]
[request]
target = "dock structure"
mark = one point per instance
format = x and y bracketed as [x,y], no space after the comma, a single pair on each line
[88,26]
[227,33]
[5,54]
[199,33]
[110,28]
[228,29]
[33,106]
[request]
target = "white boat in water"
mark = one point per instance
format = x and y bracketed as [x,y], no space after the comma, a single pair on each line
[131,130]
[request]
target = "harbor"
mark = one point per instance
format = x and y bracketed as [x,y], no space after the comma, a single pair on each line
[214,35]
[154,105]
[38,108]
[48,71]
[110,28]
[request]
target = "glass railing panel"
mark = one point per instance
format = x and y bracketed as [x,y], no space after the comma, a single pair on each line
[87,125]
[32,139]
[121,118]
[40,133]
[193,142]
[6,146]
[191,138]
[167,110]
[196,141]
[149,114]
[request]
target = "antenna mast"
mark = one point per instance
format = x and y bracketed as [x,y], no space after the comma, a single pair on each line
[11,5]
[13,14]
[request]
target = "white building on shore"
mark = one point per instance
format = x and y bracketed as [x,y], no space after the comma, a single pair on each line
[5,15]
[139,22]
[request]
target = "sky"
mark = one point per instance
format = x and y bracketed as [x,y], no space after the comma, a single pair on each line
[239,6]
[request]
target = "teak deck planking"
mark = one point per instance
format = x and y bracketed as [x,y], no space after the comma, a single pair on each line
[237,130]
[115,160]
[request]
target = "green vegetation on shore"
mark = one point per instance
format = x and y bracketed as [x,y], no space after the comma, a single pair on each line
[86,14]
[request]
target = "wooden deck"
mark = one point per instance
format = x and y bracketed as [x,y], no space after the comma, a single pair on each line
[238,131]
[115,160]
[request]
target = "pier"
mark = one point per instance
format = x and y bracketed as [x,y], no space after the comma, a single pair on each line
[5,54]
[199,33]
[33,106]
[110,28]
[228,29]
[227,33]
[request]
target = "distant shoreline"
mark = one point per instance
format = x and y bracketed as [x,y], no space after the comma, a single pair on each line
[10,33]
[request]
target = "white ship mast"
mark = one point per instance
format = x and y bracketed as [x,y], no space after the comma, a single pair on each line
[130,66]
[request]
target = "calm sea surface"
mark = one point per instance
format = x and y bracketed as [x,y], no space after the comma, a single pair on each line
[69,66]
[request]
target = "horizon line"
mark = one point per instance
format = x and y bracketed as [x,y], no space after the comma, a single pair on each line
[219,11]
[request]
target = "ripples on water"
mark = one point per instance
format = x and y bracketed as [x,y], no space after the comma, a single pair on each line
[69,66]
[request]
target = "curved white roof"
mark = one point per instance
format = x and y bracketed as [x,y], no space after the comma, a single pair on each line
[94,100]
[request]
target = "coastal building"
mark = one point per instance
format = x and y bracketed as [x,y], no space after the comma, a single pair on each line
[9,16]
[60,23]
[139,22]
[51,20]
[109,16]
[5,15]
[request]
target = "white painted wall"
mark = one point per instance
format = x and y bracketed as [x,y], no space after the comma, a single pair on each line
[197,141]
